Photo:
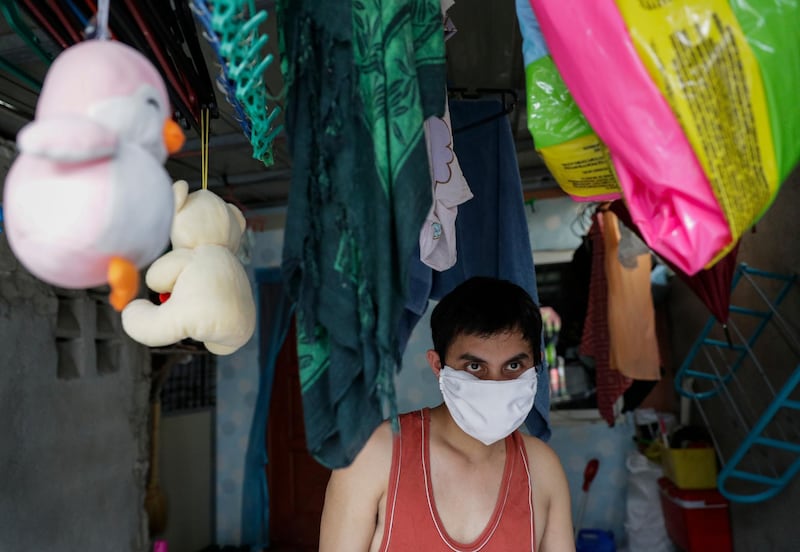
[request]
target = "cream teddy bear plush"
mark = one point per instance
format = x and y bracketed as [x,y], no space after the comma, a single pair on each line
[210,298]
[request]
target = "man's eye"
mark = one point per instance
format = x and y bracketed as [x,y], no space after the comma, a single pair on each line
[473,367]
[514,366]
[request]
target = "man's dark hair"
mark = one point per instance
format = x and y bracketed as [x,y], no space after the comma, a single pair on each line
[485,307]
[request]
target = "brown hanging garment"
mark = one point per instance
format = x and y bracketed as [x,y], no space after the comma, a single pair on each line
[631,316]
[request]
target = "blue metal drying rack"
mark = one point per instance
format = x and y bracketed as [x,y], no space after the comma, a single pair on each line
[722,382]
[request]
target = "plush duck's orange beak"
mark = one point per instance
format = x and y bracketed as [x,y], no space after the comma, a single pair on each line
[173,136]
[123,278]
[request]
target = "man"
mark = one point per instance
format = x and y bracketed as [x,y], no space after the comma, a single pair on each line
[460,476]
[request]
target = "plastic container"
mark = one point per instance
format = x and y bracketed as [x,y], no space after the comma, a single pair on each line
[595,540]
[696,520]
[691,468]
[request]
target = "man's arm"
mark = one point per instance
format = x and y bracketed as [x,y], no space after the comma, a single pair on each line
[350,514]
[549,480]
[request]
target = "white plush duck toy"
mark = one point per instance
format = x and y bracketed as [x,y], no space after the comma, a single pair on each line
[88,201]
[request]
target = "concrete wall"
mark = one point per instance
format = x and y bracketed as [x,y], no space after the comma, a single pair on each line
[237,391]
[73,437]
[187,448]
[772,524]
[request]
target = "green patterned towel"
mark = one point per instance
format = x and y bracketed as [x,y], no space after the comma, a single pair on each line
[362,77]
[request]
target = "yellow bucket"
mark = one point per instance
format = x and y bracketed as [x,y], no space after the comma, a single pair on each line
[691,468]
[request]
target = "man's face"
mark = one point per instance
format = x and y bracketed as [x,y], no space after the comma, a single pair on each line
[501,356]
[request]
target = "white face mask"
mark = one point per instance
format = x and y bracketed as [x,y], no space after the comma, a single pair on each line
[487,410]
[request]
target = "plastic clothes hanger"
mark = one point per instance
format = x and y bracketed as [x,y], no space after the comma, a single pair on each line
[188,98]
[508,106]
[169,35]
[234,33]
[188,28]
[120,24]
[177,31]
[224,81]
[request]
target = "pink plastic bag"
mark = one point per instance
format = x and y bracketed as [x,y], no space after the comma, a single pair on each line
[665,188]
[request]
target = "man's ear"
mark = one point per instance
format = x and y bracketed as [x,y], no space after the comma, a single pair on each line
[434,361]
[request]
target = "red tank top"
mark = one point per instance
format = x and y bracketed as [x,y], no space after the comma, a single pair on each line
[412,522]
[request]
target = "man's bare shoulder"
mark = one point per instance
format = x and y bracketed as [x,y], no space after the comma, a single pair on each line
[551,497]
[378,448]
[354,494]
[544,463]
[375,458]
[537,447]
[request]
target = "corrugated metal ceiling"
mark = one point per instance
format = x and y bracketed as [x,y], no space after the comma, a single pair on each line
[485,53]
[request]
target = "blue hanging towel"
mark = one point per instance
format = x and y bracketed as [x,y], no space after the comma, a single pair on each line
[491,229]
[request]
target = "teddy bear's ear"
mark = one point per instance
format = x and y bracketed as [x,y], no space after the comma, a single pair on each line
[181,191]
[237,214]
